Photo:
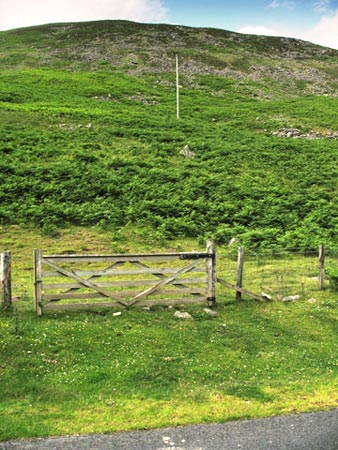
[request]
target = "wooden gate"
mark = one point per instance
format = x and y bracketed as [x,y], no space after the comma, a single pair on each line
[124,280]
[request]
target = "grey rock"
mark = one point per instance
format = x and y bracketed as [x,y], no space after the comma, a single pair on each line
[291,298]
[210,312]
[183,315]
[186,152]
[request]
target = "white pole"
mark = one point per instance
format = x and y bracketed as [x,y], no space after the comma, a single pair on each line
[177,91]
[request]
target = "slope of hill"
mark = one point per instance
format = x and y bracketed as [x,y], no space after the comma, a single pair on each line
[89,134]
[140,48]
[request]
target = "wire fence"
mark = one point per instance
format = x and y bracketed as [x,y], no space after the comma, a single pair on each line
[278,275]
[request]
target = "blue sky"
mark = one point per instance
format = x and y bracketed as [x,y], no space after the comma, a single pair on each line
[312,20]
[234,14]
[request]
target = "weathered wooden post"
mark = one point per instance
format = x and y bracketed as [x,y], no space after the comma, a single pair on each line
[240,267]
[177,90]
[6,279]
[211,273]
[38,281]
[321,278]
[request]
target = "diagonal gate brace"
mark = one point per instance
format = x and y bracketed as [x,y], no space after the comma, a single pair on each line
[95,277]
[160,275]
[87,283]
[162,283]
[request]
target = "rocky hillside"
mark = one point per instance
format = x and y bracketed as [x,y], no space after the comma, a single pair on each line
[139,48]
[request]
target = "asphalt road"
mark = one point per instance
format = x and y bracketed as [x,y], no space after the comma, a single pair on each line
[315,431]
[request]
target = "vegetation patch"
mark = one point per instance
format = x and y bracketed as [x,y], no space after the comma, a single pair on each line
[67,158]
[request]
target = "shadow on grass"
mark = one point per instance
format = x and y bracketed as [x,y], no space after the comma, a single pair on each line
[250,393]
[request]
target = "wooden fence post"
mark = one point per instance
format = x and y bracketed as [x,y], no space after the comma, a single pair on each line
[240,266]
[38,281]
[177,90]
[211,273]
[6,279]
[321,267]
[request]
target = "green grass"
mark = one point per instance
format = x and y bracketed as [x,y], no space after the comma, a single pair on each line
[85,372]
[70,374]
[89,138]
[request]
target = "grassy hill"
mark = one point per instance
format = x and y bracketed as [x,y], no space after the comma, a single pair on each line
[89,135]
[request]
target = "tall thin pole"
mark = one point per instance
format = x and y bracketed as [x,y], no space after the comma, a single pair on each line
[321,267]
[177,90]
[240,267]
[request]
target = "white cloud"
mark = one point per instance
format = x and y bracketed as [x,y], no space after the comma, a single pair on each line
[322,6]
[274,4]
[284,4]
[324,33]
[21,13]
[260,30]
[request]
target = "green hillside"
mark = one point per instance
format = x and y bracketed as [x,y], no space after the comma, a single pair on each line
[89,135]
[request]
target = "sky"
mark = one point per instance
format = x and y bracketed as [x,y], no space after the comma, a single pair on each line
[311,20]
